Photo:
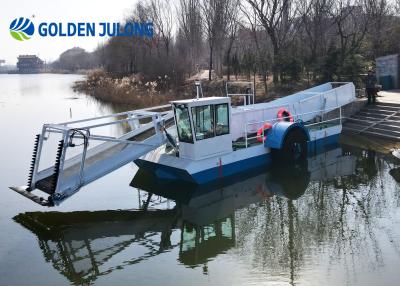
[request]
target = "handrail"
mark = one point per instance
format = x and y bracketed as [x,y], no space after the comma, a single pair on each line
[244,95]
[272,120]
[64,126]
[297,115]
[275,106]
[114,114]
[316,123]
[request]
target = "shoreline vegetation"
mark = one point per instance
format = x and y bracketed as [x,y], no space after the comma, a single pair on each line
[131,89]
[135,91]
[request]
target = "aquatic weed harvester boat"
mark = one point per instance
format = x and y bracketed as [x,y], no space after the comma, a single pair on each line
[195,140]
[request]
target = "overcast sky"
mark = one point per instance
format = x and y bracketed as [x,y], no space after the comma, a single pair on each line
[50,48]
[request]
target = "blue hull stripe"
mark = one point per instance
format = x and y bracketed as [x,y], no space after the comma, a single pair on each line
[215,173]
[232,169]
[318,146]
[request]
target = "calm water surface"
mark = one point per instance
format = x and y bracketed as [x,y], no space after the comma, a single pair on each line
[333,221]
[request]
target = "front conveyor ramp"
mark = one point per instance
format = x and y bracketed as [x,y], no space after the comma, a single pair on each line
[67,176]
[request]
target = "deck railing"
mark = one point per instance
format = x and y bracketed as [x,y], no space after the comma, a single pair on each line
[296,117]
[248,98]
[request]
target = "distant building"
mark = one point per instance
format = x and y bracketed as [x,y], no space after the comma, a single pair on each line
[388,71]
[29,64]
[2,69]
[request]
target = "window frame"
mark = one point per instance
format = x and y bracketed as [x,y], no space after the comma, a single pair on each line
[181,139]
[194,115]
[215,118]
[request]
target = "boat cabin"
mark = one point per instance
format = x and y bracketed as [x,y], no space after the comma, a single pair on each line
[203,127]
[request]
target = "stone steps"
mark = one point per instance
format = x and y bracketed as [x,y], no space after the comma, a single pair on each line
[371,120]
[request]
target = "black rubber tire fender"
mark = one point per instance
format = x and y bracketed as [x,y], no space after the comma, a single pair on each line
[294,148]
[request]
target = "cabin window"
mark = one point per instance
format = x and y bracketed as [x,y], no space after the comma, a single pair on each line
[221,119]
[183,124]
[203,121]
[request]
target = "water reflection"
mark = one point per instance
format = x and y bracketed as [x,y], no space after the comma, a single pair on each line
[80,245]
[323,214]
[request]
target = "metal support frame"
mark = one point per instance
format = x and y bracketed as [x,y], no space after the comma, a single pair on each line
[85,146]
[274,120]
[81,129]
[199,90]
[244,95]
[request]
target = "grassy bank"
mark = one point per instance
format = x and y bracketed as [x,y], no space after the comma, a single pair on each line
[132,90]
[135,91]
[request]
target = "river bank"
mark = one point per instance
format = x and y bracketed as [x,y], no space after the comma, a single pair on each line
[135,90]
